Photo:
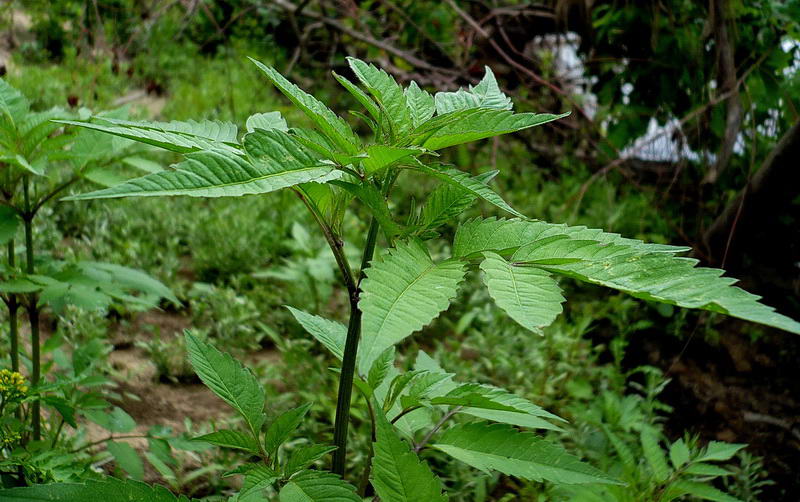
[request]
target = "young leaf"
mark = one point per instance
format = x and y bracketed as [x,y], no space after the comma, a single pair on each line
[331,334]
[13,104]
[398,475]
[471,184]
[498,405]
[502,448]
[229,380]
[420,104]
[266,121]
[317,486]
[127,459]
[107,490]
[403,292]
[381,156]
[719,451]
[465,126]
[257,478]
[227,438]
[651,447]
[679,453]
[380,368]
[181,137]
[486,94]
[528,295]
[701,469]
[328,122]
[304,456]
[360,96]
[447,201]
[283,427]
[702,491]
[376,202]
[217,174]
[387,93]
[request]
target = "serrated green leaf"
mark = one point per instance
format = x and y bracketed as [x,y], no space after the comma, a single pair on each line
[506,236]
[502,448]
[331,334]
[228,379]
[302,457]
[701,469]
[679,453]
[181,137]
[403,291]
[471,184]
[217,174]
[702,491]
[227,438]
[380,368]
[386,92]
[528,295]
[496,404]
[651,448]
[382,156]
[719,451]
[317,486]
[127,459]
[648,271]
[266,121]
[623,451]
[420,104]
[360,96]
[486,94]
[107,490]
[256,479]
[368,194]
[465,126]
[328,122]
[397,474]
[13,104]
[283,427]
[448,200]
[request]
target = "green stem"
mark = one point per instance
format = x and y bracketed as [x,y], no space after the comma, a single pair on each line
[33,312]
[342,420]
[13,308]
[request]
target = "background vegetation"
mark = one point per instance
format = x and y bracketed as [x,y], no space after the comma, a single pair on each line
[684,130]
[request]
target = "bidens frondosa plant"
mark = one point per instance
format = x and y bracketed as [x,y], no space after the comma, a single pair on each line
[396,292]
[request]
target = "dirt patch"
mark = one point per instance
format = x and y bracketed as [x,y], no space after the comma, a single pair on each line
[735,391]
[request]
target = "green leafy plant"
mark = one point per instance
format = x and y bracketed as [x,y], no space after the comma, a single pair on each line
[398,291]
[39,160]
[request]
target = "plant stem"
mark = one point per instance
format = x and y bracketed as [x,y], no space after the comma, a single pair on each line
[342,419]
[13,308]
[33,312]
[447,416]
